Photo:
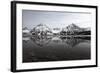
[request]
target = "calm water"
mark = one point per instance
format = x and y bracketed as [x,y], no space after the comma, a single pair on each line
[43,49]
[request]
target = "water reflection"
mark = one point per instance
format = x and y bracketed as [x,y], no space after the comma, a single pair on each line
[26,39]
[49,48]
[41,40]
[73,41]
[44,40]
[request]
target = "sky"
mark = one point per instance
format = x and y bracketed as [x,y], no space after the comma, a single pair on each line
[31,18]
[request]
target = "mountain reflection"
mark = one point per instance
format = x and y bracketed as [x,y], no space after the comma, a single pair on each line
[55,48]
[70,41]
[41,40]
[73,41]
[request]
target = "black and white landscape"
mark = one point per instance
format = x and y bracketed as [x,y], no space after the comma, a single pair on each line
[56,36]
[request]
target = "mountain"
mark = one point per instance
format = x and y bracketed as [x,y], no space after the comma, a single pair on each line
[41,29]
[73,29]
[87,29]
[25,30]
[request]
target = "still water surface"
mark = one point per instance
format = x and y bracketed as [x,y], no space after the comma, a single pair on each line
[36,49]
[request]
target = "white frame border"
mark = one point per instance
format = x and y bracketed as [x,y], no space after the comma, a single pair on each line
[39,65]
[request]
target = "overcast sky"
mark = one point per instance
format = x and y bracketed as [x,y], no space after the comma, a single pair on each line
[31,18]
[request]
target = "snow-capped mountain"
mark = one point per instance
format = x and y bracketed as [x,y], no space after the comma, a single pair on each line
[25,30]
[73,27]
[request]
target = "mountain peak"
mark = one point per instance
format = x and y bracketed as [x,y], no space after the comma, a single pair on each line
[73,26]
[25,28]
